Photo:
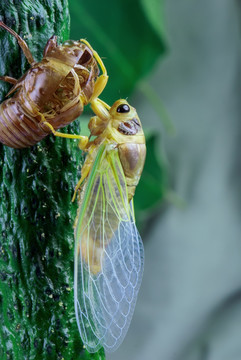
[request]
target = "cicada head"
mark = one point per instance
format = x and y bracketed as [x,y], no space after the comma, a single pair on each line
[124,119]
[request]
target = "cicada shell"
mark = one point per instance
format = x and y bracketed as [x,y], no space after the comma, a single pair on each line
[52,93]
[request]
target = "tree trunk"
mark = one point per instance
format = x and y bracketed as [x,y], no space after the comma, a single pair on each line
[37,319]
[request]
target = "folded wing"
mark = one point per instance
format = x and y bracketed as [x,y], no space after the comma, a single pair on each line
[108,257]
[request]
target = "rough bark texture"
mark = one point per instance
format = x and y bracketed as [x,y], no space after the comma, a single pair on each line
[37,319]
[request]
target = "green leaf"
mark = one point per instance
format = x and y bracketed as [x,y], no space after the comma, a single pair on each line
[126,35]
[154,11]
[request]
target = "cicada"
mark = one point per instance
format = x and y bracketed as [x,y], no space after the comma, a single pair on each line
[108,249]
[52,93]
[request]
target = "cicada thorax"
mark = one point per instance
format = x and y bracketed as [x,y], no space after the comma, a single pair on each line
[54,90]
[123,128]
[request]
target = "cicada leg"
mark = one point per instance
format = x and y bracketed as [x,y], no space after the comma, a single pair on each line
[84,173]
[9,79]
[21,43]
[104,104]
[78,186]
[83,140]
[101,82]
[51,44]
[86,167]
[101,109]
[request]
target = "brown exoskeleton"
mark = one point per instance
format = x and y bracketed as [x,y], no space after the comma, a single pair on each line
[52,93]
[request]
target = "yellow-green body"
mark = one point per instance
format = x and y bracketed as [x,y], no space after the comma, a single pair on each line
[108,249]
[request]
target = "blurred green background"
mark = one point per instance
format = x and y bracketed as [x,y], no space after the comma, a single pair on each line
[185,55]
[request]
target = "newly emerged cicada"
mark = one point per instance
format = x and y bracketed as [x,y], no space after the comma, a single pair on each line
[109,252]
[52,93]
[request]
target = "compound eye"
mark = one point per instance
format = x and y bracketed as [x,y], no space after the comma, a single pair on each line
[123,108]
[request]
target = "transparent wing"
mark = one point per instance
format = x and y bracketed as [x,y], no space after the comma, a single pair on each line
[108,258]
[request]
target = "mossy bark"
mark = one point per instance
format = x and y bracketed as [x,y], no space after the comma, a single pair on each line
[37,319]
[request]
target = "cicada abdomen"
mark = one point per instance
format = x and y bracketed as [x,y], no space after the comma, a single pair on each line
[51,94]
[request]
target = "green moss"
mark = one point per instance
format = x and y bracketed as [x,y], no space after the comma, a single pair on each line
[37,319]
